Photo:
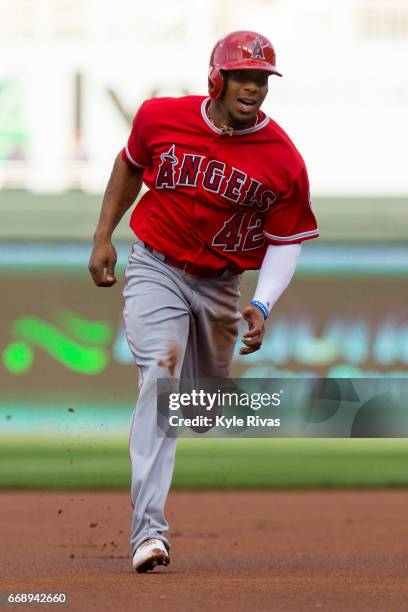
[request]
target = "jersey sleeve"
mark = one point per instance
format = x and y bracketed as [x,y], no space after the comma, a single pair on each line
[136,151]
[291,219]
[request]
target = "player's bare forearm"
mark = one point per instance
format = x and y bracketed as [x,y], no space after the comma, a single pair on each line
[122,190]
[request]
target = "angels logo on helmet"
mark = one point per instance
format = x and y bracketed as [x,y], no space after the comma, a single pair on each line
[257,52]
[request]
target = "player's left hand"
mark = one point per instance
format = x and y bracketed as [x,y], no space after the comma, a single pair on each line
[253,338]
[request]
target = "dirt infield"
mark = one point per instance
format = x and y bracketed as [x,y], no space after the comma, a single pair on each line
[230,550]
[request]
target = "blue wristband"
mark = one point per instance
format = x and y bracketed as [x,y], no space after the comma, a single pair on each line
[261,307]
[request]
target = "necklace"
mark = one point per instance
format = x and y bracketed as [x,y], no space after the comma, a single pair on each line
[227,129]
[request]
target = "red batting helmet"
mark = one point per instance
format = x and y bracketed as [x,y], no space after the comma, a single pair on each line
[237,51]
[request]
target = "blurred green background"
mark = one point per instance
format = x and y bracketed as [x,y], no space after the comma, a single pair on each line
[103,463]
[64,414]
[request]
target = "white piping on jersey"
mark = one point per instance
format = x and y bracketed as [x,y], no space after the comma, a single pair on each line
[235,132]
[131,158]
[294,236]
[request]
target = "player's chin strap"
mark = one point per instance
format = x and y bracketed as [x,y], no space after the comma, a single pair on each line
[226,129]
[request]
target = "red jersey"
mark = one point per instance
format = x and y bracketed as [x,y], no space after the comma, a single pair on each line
[216,200]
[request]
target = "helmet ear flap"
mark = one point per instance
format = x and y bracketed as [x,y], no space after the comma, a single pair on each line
[215,83]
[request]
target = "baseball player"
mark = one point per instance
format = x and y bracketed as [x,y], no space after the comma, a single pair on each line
[227,192]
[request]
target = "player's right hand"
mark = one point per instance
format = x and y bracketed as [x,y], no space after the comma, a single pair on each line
[102,264]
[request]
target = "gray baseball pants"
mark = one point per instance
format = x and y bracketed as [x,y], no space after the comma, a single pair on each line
[177,326]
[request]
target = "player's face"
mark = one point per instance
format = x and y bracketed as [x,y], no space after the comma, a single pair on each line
[244,93]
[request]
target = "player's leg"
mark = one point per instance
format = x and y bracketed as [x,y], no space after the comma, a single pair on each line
[157,320]
[217,317]
[212,336]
